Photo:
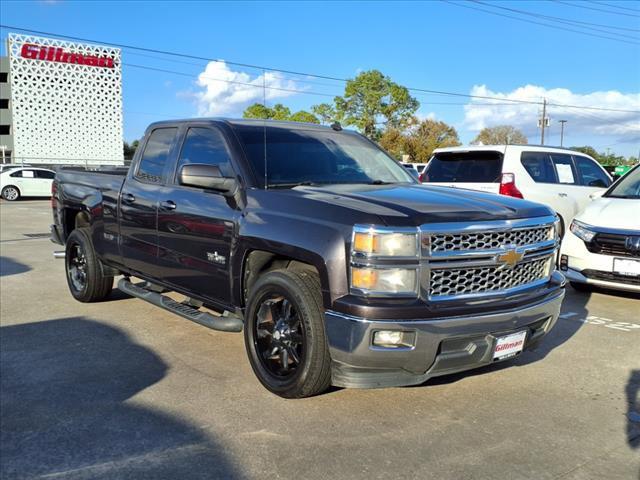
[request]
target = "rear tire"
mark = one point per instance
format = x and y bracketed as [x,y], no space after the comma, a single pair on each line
[284,334]
[84,273]
[10,193]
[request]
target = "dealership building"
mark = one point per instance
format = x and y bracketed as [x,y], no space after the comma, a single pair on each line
[60,103]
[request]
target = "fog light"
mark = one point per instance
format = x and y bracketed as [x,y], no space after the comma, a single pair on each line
[564,263]
[393,339]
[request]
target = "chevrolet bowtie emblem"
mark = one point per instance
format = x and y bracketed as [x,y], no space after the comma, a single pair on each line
[510,258]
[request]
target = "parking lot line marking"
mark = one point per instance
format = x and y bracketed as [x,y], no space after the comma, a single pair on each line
[605,322]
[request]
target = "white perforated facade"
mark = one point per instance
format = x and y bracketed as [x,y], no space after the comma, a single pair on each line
[66,101]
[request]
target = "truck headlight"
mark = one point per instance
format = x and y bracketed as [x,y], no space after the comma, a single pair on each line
[377,242]
[582,231]
[384,281]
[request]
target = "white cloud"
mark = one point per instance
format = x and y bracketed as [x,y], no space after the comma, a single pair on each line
[426,116]
[624,126]
[224,91]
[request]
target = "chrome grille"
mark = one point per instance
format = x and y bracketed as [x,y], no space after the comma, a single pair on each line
[486,258]
[469,280]
[489,240]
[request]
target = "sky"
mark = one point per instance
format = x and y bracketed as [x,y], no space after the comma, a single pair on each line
[480,48]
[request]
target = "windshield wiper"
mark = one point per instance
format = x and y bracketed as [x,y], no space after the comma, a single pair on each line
[292,184]
[380,182]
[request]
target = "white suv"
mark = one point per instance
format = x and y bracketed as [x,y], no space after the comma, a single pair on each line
[560,178]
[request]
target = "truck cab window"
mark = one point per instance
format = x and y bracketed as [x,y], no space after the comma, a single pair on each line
[155,155]
[207,146]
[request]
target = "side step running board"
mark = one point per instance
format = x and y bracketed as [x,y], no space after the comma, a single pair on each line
[225,323]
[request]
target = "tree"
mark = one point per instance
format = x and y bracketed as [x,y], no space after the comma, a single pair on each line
[372,99]
[500,135]
[394,142]
[325,112]
[278,112]
[428,135]
[304,116]
[129,149]
[587,150]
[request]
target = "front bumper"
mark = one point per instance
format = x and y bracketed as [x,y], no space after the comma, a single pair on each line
[55,235]
[442,345]
[593,268]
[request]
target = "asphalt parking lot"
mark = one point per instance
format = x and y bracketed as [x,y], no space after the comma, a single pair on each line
[122,389]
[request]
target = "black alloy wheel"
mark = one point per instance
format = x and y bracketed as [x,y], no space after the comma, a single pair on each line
[279,336]
[77,268]
[85,277]
[285,336]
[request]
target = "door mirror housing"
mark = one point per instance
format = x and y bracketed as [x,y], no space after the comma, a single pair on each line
[208,177]
[596,195]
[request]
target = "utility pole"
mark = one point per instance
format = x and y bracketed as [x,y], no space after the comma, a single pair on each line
[562,122]
[544,120]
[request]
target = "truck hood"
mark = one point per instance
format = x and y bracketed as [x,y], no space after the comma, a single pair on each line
[611,213]
[413,205]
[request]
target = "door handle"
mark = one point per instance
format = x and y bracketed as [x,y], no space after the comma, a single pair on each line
[128,198]
[168,205]
[562,195]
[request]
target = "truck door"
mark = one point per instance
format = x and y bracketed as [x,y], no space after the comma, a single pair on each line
[196,226]
[139,203]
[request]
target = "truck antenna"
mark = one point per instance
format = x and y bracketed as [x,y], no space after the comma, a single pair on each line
[264,126]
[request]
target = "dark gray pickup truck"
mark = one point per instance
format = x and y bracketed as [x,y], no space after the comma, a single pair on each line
[340,268]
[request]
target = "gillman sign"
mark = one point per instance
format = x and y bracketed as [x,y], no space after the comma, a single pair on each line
[57,54]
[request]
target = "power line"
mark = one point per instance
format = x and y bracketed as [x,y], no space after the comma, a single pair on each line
[304,74]
[566,21]
[616,6]
[596,9]
[557,27]
[235,82]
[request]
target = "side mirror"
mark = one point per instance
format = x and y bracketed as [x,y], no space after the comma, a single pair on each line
[595,195]
[207,176]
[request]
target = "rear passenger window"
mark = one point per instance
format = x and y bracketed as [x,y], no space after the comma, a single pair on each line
[23,174]
[45,174]
[538,165]
[592,175]
[564,168]
[156,153]
[207,146]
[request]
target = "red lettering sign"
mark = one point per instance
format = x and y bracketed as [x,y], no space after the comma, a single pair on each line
[56,54]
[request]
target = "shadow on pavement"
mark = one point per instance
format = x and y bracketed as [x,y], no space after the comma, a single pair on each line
[11,267]
[64,410]
[632,391]
[574,311]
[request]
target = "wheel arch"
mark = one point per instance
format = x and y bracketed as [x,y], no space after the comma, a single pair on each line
[257,261]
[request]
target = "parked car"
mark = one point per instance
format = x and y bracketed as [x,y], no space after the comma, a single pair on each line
[341,269]
[26,182]
[412,170]
[418,166]
[8,166]
[560,178]
[602,247]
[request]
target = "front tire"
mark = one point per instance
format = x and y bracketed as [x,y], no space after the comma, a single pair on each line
[84,273]
[10,193]
[284,334]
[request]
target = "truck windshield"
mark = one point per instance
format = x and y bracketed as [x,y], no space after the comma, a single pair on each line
[298,156]
[627,187]
[465,167]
